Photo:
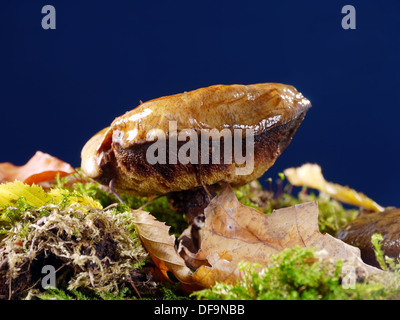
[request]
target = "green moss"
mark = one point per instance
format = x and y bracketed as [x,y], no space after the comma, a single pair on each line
[158,206]
[386,263]
[332,214]
[64,294]
[295,274]
[9,215]
[166,292]
[376,240]
[245,195]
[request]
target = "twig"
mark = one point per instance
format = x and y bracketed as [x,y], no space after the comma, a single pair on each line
[111,186]
[134,287]
[150,201]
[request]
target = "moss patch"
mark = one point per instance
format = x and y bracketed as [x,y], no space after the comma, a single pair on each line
[89,248]
[298,274]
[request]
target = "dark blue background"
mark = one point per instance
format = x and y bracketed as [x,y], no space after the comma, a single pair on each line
[58,87]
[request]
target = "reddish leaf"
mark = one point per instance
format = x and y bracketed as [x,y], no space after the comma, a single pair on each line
[40,168]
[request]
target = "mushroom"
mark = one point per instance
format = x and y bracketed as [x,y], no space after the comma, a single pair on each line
[185,129]
[360,231]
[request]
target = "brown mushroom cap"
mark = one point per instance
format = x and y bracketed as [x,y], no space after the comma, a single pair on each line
[272,111]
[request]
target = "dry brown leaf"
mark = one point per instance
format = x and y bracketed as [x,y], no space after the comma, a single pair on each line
[249,235]
[310,175]
[160,245]
[234,233]
[41,167]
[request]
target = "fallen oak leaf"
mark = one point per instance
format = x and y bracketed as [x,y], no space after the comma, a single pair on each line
[310,175]
[234,233]
[40,168]
[251,236]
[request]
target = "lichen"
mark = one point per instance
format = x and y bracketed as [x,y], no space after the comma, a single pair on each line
[91,248]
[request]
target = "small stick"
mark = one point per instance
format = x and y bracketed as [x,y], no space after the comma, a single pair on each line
[150,201]
[111,186]
[134,287]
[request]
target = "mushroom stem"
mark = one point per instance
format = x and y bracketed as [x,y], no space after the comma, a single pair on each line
[192,202]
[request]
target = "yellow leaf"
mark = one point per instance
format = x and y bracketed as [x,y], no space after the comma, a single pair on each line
[310,175]
[37,197]
[59,194]
[12,191]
